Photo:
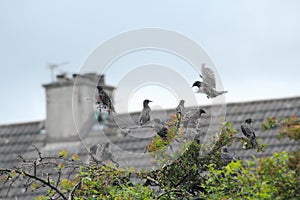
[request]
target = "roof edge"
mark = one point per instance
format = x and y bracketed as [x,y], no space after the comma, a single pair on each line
[22,123]
[228,103]
[264,100]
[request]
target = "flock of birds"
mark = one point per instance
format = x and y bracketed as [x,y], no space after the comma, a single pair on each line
[207,86]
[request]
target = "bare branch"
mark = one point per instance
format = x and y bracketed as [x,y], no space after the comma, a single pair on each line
[39,153]
[71,195]
[45,182]
[180,191]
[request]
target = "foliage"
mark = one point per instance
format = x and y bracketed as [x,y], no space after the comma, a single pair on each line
[270,178]
[158,142]
[290,127]
[107,182]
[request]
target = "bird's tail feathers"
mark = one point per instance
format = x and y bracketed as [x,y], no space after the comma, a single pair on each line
[113,109]
[254,143]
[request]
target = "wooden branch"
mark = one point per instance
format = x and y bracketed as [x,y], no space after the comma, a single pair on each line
[169,191]
[153,180]
[71,194]
[39,153]
[226,141]
[45,182]
[58,178]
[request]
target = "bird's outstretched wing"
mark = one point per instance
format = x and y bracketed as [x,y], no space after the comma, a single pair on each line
[208,76]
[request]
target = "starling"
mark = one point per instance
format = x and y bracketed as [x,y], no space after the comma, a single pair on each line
[192,116]
[180,108]
[95,148]
[248,131]
[179,111]
[208,85]
[163,132]
[105,99]
[226,156]
[102,153]
[145,114]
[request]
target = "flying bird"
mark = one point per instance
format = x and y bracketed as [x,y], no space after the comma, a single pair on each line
[208,84]
[248,131]
[145,114]
[104,99]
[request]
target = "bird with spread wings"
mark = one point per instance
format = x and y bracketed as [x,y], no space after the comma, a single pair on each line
[208,84]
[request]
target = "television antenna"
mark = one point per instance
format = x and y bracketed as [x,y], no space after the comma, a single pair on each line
[53,66]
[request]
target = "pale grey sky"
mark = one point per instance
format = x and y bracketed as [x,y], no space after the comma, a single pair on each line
[255,44]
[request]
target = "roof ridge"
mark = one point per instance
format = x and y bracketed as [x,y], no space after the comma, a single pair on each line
[227,104]
[265,100]
[21,123]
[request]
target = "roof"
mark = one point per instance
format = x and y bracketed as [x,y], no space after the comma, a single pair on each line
[18,139]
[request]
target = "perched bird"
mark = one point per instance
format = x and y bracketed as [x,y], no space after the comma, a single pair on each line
[95,148]
[102,153]
[192,116]
[163,132]
[179,111]
[158,121]
[180,108]
[105,99]
[160,128]
[226,156]
[145,114]
[248,131]
[208,84]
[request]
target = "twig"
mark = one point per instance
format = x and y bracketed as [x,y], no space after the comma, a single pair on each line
[71,195]
[226,141]
[58,178]
[10,185]
[38,179]
[23,160]
[71,172]
[153,180]
[39,153]
[173,190]
[136,127]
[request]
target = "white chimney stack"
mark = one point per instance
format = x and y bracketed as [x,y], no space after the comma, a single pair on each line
[62,97]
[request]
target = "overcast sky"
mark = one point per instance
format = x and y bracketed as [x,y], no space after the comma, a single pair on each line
[254,44]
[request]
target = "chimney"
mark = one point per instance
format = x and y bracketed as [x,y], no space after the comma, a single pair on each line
[63,101]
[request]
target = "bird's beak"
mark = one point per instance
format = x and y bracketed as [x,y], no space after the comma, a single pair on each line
[150,101]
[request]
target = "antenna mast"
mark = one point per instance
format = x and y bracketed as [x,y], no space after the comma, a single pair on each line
[53,66]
